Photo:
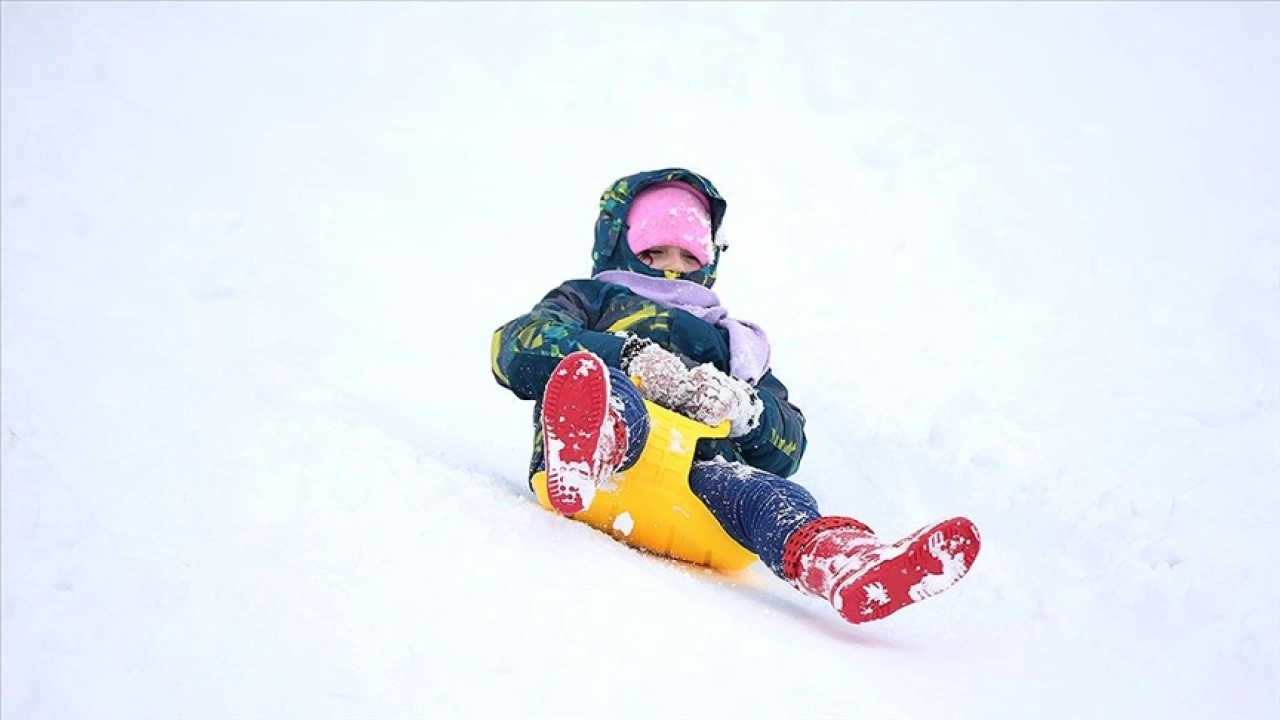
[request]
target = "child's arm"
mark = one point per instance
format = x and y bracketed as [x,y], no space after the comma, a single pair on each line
[779,443]
[526,350]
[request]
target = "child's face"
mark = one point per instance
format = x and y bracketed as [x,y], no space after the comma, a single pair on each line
[667,257]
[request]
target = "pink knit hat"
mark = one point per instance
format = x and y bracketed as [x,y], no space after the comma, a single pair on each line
[671,213]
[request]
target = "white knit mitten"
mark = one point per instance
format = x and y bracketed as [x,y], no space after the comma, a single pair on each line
[663,377]
[715,397]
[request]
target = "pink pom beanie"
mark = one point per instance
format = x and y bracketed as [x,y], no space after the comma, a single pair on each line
[671,213]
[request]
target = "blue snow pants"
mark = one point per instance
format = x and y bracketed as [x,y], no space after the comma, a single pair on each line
[757,509]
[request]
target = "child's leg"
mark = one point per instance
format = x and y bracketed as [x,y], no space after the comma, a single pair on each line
[629,404]
[757,509]
[593,424]
[585,437]
[836,558]
[626,399]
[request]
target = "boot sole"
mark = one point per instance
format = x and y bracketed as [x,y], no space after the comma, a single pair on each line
[574,405]
[920,566]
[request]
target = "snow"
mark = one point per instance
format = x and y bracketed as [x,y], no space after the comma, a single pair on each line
[624,524]
[677,441]
[585,366]
[1018,262]
[875,592]
[954,567]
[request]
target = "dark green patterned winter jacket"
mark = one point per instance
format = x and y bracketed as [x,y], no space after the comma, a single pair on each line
[596,316]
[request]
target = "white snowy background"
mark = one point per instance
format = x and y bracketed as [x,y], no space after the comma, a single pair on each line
[1020,262]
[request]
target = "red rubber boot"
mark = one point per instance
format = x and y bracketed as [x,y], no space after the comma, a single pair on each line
[842,561]
[584,438]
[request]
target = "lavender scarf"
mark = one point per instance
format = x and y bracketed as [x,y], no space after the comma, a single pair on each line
[748,345]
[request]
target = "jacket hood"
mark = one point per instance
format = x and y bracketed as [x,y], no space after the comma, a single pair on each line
[611,251]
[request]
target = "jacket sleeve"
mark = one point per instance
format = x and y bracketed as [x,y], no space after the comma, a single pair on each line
[779,443]
[526,350]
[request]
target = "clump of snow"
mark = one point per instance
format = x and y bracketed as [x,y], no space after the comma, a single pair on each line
[573,478]
[677,441]
[877,594]
[624,524]
[586,366]
[953,568]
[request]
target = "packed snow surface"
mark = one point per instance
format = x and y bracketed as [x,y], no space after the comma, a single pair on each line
[1018,262]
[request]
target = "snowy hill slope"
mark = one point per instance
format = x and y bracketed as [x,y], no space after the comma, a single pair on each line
[1020,263]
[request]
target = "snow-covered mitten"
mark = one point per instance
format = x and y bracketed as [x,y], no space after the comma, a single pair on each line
[716,397]
[842,561]
[663,376]
[584,437]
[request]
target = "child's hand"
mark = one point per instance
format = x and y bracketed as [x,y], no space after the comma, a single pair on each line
[663,377]
[716,397]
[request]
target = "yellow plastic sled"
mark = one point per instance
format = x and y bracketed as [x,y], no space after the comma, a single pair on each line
[651,507]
